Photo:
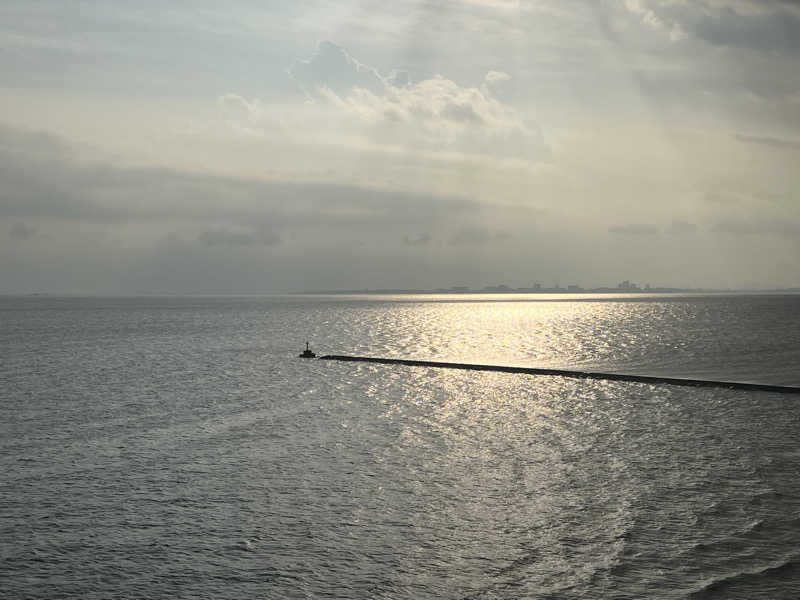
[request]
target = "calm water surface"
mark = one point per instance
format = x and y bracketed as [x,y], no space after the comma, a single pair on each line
[175,447]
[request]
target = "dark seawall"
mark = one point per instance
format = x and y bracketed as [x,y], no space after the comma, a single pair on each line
[732,385]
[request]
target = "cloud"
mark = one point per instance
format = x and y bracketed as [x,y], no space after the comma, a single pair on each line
[332,68]
[421,239]
[634,229]
[477,236]
[235,108]
[38,184]
[231,239]
[720,198]
[21,231]
[495,82]
[682,227]
[435,114]
[765,26]
[648,12]
[774,197]
[780,143]
[757,226]
[37,181]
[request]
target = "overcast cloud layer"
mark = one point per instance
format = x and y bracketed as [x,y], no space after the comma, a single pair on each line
[279,147]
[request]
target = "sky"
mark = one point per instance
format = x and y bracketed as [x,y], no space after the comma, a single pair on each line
[272,147]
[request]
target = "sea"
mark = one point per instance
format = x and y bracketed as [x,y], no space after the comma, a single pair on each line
[177,447]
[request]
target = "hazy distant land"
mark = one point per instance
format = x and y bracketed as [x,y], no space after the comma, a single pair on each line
[624,287]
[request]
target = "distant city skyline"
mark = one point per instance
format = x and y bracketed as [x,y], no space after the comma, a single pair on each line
[624,286]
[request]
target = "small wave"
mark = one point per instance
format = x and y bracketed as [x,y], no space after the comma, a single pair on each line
[754,526]
[747,579]
[725,541]
[241,546]
[530,558]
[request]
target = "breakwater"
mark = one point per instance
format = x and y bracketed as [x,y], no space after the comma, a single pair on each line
[733,385]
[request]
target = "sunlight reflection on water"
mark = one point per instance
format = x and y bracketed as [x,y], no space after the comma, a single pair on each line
[714,338]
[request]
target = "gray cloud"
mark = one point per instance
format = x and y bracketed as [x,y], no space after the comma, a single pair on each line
[774,197]
[21,231]
[634,229]
[682,227]
[421,239]
[770,27]
[757,227]
[782,144]
[35,182]
[231,239]
[477,236]
[719,198]
[765,26]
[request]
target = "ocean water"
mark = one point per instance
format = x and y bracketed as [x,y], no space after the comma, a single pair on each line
[177,448]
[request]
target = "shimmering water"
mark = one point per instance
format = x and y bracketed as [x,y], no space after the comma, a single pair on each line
[176,448]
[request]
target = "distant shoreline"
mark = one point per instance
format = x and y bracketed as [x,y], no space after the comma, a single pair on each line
[546,291]
[413,292]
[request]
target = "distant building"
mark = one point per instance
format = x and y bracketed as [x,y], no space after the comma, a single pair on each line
[497,288]
[627,286]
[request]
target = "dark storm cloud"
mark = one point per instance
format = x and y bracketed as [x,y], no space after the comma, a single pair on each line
[37,182]
[779,143]
[634,229]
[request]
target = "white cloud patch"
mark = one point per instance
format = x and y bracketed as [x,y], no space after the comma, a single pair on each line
[435,114]
[237,109]
[648,12]
[495,82]
[332,68]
